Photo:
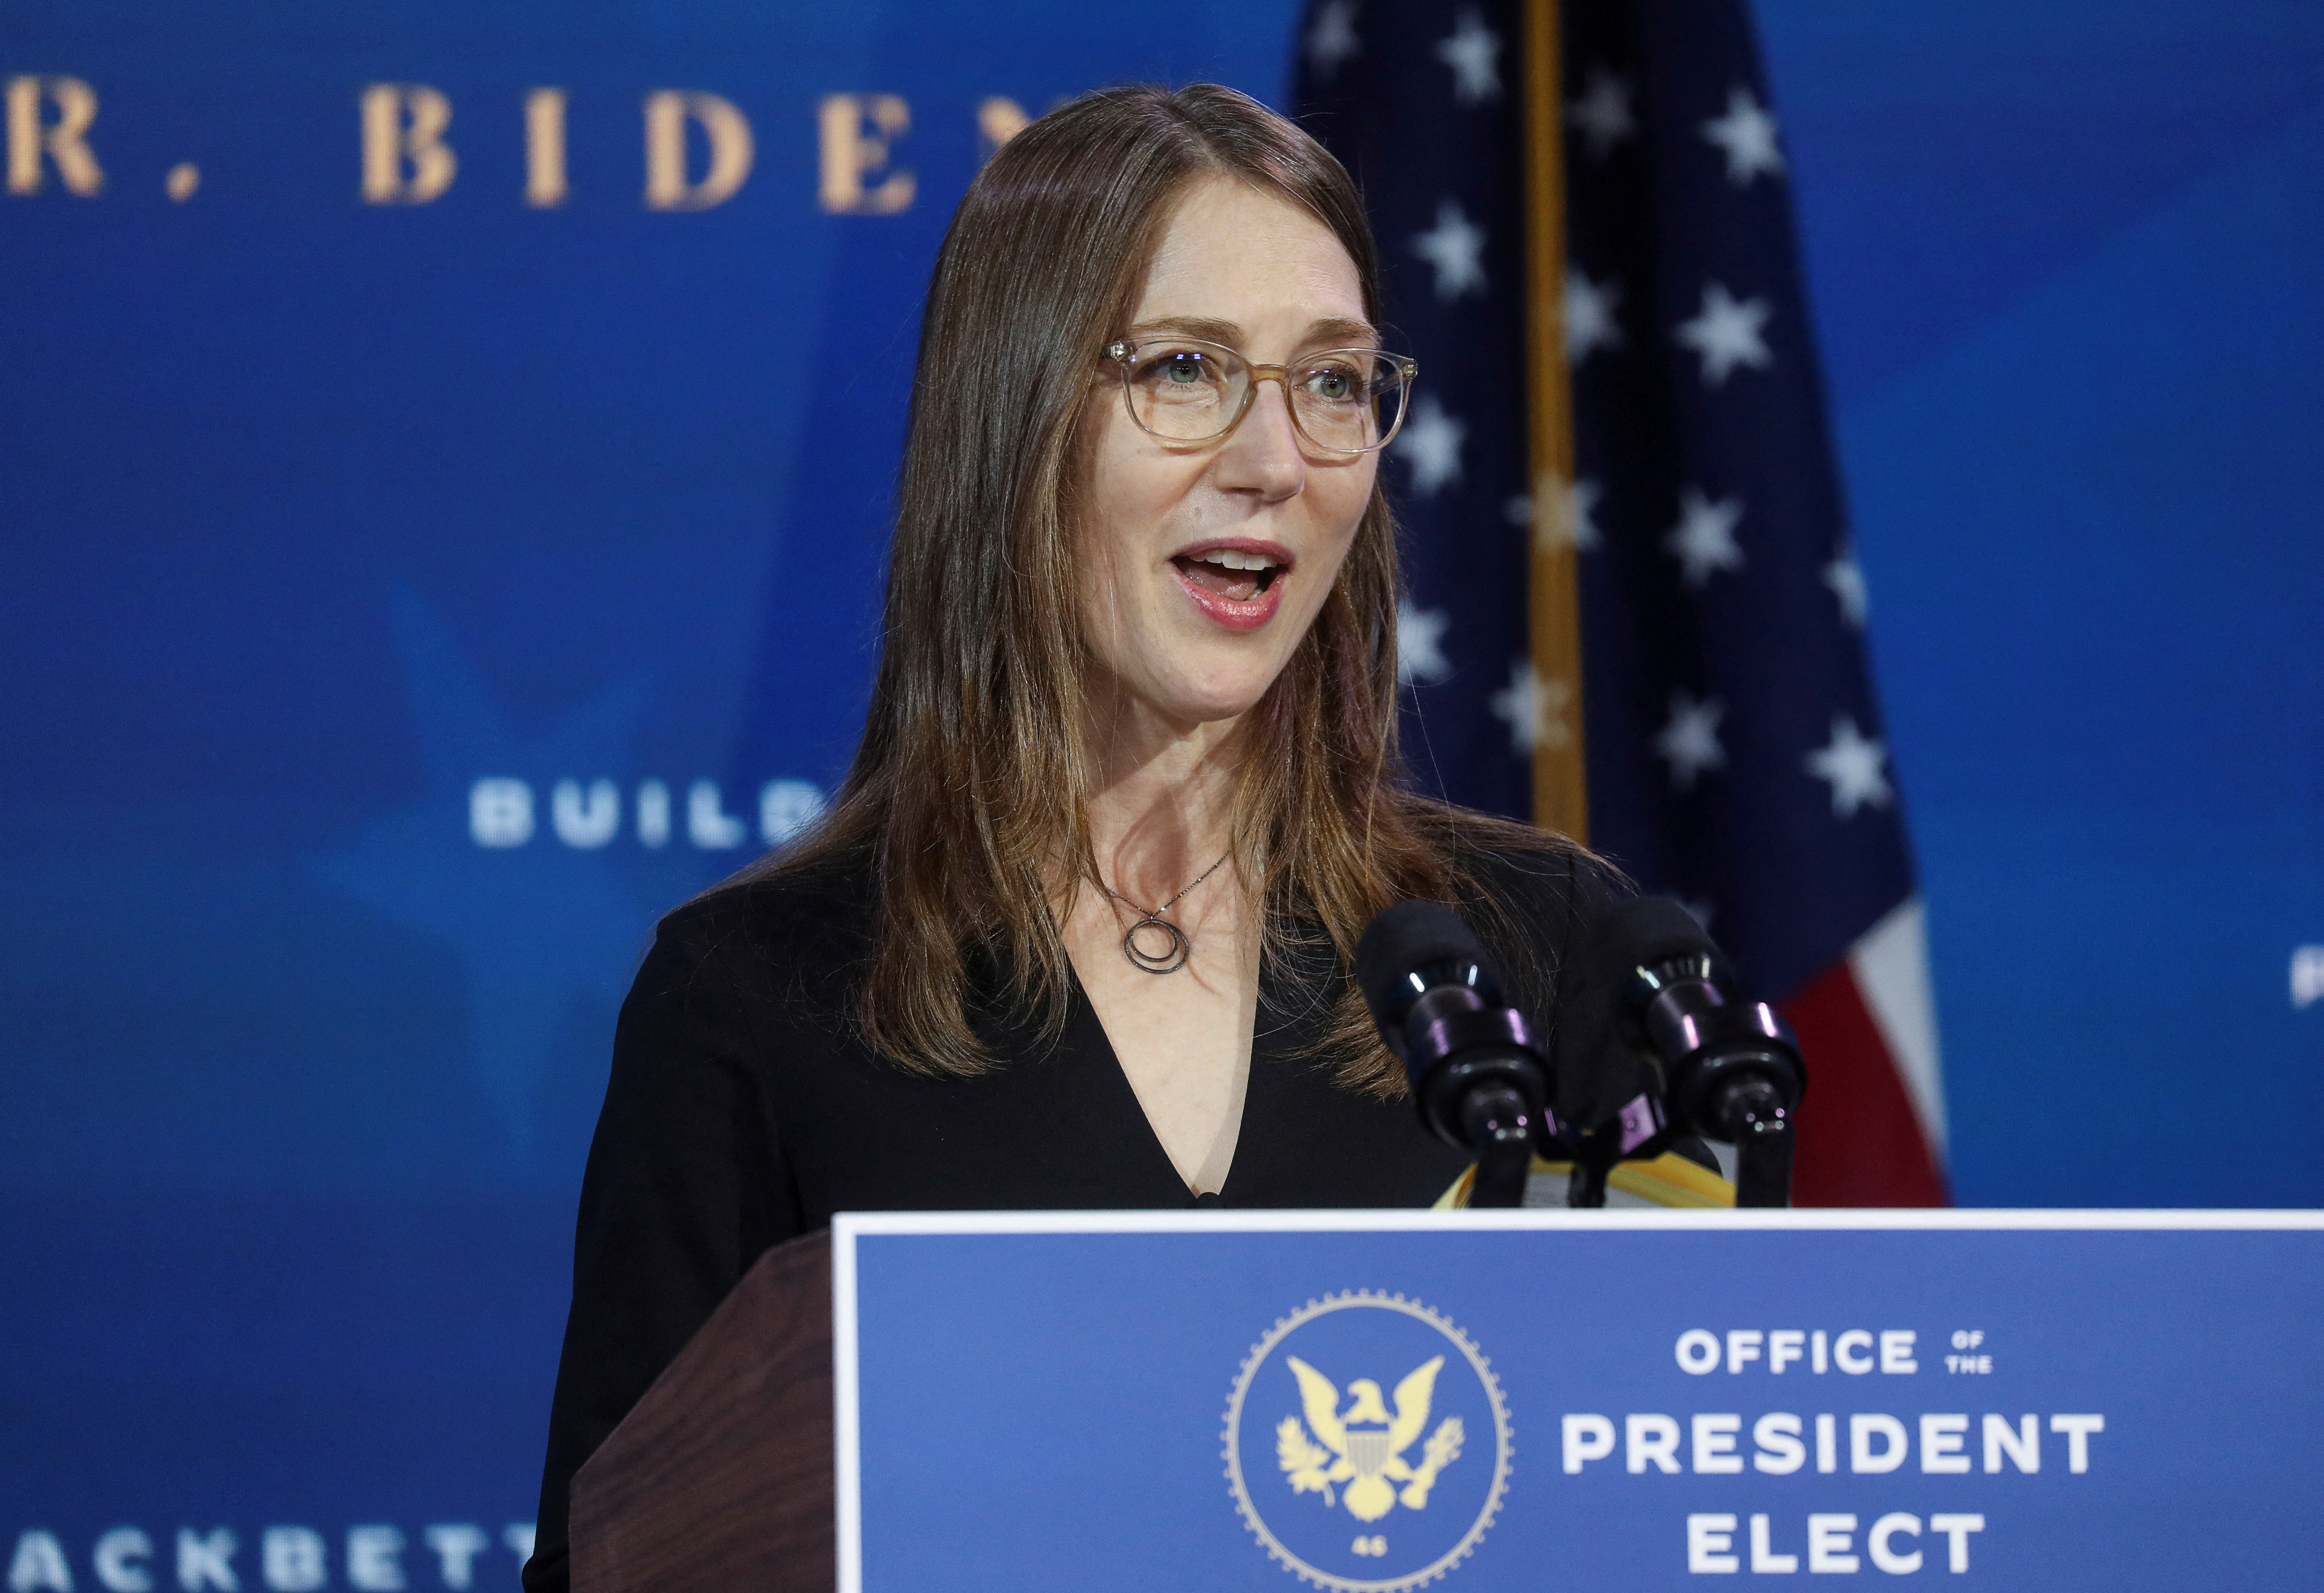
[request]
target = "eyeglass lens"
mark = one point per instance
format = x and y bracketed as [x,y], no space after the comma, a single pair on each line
[1346,399]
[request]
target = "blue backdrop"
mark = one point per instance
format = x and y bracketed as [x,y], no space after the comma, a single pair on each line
[336,536]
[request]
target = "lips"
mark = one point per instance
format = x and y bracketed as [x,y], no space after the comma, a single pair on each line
[1235,582]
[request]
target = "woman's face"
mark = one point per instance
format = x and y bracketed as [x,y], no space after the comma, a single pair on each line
[1190,636]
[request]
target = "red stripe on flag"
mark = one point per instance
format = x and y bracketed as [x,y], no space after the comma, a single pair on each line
[1860,1142]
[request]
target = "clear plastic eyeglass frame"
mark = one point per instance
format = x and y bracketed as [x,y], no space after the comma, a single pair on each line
[1232,366]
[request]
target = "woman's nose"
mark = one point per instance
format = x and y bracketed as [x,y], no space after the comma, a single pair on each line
[1263,456]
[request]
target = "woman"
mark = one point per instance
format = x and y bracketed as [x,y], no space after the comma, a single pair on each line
[1076,933]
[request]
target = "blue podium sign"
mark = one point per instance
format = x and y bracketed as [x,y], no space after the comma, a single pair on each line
[1376,1401]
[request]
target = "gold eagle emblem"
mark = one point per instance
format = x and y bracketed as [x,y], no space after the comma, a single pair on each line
[1362,1446]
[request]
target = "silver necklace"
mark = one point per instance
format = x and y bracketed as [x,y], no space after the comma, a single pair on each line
[1174,948]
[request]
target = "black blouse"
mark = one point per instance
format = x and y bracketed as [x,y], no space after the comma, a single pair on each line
[742,1113]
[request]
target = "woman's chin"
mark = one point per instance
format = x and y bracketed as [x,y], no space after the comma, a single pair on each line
[1207,702]
[1186,681]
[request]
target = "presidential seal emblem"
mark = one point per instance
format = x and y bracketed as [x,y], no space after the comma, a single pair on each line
[1351,1485]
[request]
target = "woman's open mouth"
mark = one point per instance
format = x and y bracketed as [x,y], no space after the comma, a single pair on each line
[1237,583]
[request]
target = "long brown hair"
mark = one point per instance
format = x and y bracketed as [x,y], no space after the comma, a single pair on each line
[969,793]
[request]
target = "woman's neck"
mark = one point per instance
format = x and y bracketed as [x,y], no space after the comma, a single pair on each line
[1164,808]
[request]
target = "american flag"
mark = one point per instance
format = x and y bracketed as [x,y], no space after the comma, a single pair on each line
[1724,724]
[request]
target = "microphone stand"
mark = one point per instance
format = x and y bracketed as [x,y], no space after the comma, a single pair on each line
[1730,1067]
[1476,1072]
[1500,1126]
[1585,1186]
[1735,1072]
[1761,1123]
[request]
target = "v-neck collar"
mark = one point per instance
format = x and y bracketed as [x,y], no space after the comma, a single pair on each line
[1291,1014]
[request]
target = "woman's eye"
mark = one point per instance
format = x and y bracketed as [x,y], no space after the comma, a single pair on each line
[1334,385]
[1180,369]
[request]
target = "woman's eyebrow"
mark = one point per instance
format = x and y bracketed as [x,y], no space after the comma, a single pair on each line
[1202,327]
[1338,330]
[1328,332]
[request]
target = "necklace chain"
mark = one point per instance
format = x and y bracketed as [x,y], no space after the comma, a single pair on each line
[1174,901]
[1176,947]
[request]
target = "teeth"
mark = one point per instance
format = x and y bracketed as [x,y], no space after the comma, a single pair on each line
[1228,558]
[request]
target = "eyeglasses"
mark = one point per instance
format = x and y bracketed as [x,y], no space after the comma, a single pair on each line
[1343,400]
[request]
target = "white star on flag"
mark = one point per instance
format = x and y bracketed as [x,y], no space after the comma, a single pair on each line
[1573,522]
[1430,443]
[1455,247]
[1845,577]
[1703,540]
[1602,115]
[1420,645]
[1852,765]
[1748,134]
[1727,334]
[1559,511]
[1533,709]
[1690,741]
[1332,40]
[1589,323]
[1473,52]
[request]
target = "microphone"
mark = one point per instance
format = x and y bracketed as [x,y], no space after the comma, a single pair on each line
[1476,1074]
[1732,1068]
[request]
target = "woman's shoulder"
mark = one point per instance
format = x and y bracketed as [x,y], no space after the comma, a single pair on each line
[786,933]
[1537,877]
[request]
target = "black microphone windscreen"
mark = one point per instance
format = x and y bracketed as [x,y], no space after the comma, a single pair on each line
[1649,929]
[1408,936]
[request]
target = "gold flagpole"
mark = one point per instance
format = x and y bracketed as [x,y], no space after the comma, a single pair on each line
[1559,794]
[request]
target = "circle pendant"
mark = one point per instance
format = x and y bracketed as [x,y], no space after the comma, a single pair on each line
[1167,956]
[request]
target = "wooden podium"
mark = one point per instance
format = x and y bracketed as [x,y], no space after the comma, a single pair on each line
[1052,1401]
[721,1477]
